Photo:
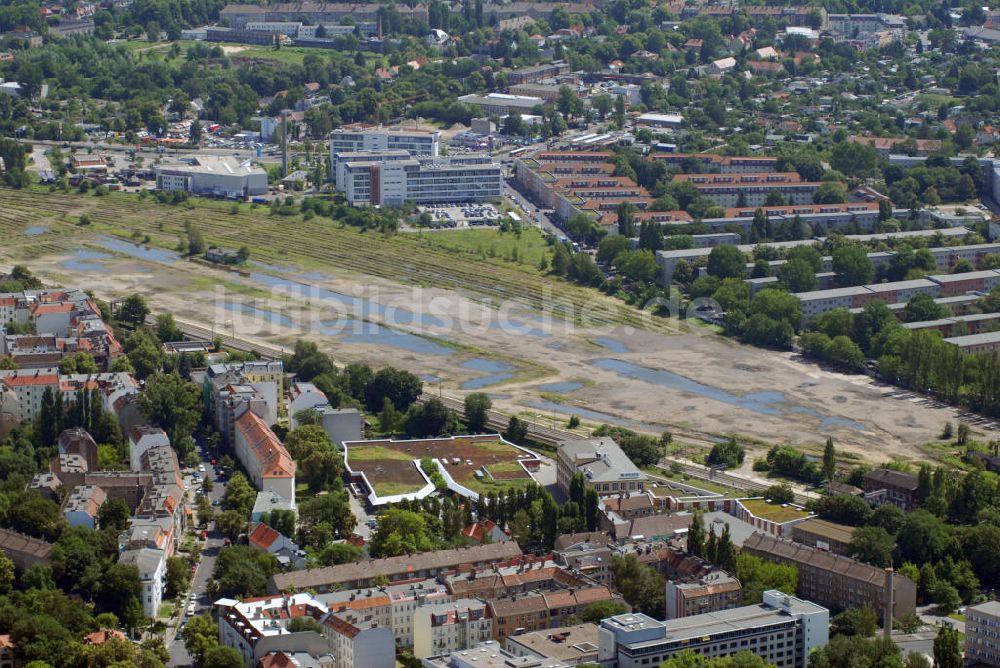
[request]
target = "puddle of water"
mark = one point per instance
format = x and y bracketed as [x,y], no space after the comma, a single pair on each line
[765,403]
[430,378]
[83,261]
[356,306]
[595,416]
[562,388]
[263,315]
[141,252]
[272,267]
[829,421]
[499,372]
[35,230]
[313,276]
[614,345]
[356,331]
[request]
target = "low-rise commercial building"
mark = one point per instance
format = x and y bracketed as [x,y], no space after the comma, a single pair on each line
[782,630]
[824,535]
[835,581]
[502,104]
[214,176]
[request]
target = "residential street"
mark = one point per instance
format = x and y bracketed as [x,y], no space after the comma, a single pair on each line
[203,603]
[925,613]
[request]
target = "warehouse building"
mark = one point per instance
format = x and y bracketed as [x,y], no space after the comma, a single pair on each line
[213,176]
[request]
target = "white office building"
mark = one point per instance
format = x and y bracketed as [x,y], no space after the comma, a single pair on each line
[353,140]
[213,175]
[390,178]
[783,630]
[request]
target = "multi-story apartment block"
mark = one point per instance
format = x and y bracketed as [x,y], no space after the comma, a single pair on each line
[835,581]
[257,628]
[585,553]
[389,178]
[540,610]
[405,567]
[268,465]
[606,468]
[890,486]
[239,16]
[783,630]
[709,593]
[982,634]
[450,627]
[502,104]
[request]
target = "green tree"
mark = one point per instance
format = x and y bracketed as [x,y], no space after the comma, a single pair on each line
[239,496]
[856,622]
[200,635]
[222,657]
[729,453]
[640,585]
[231,523]
[143,353]
[830,192]
[242,570]
[517,430]
[797,275]
[167,329]
[829,460]
[401,387]
[727,261]
[923,307]
[759,576]
[477,407]
[114,514]
[7,574]
[320,465]
[872,545]
[852,265]
[696,535]
[948,648]
[178,575]
[401,532]
[172,404]
[133,310]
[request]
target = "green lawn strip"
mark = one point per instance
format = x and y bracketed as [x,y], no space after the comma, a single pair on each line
[773,512]
[394,488]
[375,452]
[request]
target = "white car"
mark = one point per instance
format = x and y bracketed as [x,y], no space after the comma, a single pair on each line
[190,610]
[201,468]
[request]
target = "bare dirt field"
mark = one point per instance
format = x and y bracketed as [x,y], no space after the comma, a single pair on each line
[693,383]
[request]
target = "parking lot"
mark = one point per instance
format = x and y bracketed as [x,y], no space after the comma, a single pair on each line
[452,216]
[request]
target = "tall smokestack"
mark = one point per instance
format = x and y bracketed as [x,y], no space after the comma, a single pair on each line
[887,615]
[284,144]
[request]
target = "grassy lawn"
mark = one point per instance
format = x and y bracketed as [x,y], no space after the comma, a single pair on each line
[370,452]
[484,487]
[393,488]
[505,467]
[773,512]
[404,258]
[492,246]
[957,617]
[166,610]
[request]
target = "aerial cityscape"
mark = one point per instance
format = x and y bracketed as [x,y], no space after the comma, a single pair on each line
[499,334]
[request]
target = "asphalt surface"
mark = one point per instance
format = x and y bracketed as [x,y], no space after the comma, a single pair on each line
[199,583]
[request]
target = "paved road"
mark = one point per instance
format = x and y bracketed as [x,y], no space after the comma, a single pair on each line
[199,584]
[926,614]
[538,216]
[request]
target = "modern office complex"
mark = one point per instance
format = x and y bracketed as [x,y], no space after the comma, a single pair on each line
[359,138]
[390,178]
[783,630]
[212,175]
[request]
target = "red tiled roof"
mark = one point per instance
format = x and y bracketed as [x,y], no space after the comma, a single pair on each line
[263,536]
[265,446]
